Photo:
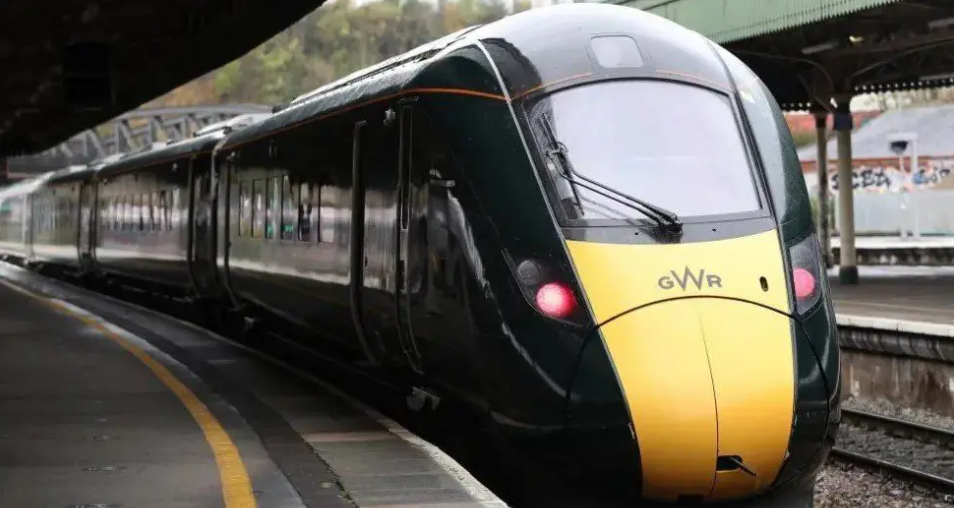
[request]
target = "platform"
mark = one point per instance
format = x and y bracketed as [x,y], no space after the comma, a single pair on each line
[103,404]
[923,294]
[894,250]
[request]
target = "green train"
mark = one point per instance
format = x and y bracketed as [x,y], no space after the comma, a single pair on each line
[585,223]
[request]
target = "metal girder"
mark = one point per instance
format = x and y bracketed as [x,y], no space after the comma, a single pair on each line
[130,131]
[809,51]
[726,21]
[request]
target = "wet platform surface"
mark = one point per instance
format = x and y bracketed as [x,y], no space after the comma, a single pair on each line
[105,404]
[905,293]
[83,422]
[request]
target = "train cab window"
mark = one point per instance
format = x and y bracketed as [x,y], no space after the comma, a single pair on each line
[258,208]
[304,212]
[289,210]
[689,159]
[245,209]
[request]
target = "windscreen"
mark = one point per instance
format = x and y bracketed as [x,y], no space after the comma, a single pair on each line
[673,145]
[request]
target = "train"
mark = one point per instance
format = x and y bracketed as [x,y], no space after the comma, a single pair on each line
[584,222]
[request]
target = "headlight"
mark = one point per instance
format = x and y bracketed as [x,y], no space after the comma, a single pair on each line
[805,259]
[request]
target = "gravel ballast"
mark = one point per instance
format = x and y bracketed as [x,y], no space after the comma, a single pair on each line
[841,486]
[845,486]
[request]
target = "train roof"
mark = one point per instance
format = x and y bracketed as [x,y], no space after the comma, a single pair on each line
[24,187]
[71,174]
[386,83]
[532,50]
[204,141]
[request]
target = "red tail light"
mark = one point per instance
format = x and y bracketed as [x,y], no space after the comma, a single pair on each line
[555,299]
[804,283]
[807,272]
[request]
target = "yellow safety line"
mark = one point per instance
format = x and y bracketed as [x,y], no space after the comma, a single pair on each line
[236,484]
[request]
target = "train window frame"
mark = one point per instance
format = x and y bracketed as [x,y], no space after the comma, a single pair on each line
[530,111]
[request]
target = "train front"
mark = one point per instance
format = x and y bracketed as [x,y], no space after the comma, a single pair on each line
[673,178]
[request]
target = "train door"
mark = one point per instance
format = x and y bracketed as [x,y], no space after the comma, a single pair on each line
[407,237]
[87,225]
[358,258]
[201,204]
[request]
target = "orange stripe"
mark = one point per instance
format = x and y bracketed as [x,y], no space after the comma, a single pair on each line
[551,83]
[693,77]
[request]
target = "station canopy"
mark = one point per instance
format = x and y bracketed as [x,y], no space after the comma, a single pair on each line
[70,65]
[807,51]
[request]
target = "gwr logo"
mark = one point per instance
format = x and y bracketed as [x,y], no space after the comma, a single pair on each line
[670,281]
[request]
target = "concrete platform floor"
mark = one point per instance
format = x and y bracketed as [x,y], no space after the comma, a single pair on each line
[89,418]
[103,404]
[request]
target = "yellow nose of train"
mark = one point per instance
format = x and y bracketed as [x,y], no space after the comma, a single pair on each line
[701,342]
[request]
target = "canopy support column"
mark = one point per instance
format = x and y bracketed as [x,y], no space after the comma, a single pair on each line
[821,219]
[848,259]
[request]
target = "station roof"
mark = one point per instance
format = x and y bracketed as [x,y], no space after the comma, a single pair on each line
[70,65]
[808,50]
[933,125]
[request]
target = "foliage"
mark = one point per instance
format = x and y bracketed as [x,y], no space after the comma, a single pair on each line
[803,138]
[331,42]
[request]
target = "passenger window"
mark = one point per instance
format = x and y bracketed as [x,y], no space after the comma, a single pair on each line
[161,211]
[288,211]
[140,212]
[103,221]
[272,207]
[127,213]
[258,209]
[328,200]
[304,212]
[245,210]
[117,214]
[167,204]
[175,214]
[147,212]
[154,197]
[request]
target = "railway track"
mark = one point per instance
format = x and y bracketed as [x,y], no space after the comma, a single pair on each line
[904,449]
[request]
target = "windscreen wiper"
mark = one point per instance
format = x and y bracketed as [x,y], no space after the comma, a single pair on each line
[558,151]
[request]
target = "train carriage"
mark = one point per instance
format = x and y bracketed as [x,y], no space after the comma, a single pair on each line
[630,247]
[16,223]
[155,211]
[59,208]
